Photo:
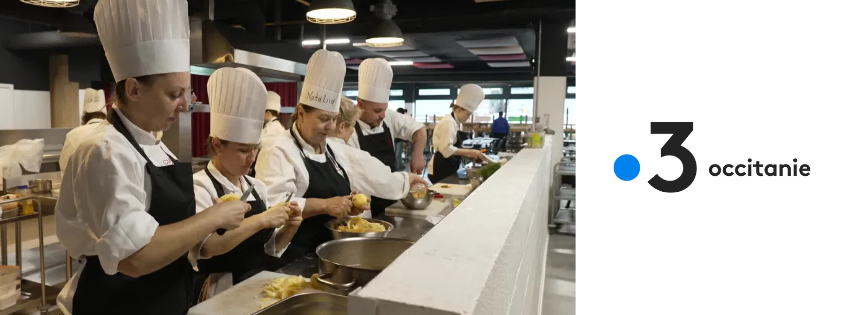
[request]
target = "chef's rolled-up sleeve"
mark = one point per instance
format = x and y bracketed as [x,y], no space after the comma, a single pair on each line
[403,126]
[109,188]
[370,176]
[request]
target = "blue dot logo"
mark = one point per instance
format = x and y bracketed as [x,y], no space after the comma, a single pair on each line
[627,167]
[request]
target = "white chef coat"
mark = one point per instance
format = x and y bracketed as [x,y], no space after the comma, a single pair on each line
[205,193]
[73,139]
[281,167]
[401,127]
[106,193]
[443,138]
[273,129]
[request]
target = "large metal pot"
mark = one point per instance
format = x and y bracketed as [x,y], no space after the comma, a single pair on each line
[331,225]
[348,263]
[418,204]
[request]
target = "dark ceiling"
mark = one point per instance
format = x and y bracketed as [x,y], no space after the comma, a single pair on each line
[430,26]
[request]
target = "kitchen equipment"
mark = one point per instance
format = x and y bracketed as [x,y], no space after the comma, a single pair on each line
[436,207]
[35,185]
[340,235]
[451,189]
[45,185]
[418,204]
[419,190]
[309,304]
[242,299]
[243,199]
[349,263]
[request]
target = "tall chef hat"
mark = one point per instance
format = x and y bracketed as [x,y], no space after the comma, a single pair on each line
[144,37]
[374,79]
[470,97]
[273,101]
[324,81]
[94,101]
[237,105]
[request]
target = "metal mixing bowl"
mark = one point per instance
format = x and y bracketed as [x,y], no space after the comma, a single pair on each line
[418,204]
[340,235]
[349,263]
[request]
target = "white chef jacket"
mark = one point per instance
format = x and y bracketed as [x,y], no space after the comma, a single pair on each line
[106,193]
[73,139]
[273,129]
[281,167]
[205,193]
[443,138]
[401,127]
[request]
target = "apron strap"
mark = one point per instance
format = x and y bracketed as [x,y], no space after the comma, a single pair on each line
[220,190]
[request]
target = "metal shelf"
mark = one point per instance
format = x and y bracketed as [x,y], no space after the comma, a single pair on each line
[30,297]
[564,216]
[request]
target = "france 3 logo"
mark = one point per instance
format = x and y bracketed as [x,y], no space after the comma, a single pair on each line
[627,166]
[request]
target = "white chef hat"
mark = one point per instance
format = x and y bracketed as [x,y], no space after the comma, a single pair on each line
[273,101]
[323,83]
[94,101]
[237,105]
[470,97]
[374,79]
[144,37]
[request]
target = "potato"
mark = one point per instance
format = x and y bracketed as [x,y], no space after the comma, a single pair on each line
[229,197]
[360,201]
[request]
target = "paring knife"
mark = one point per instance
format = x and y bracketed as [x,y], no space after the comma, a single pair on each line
[243,199]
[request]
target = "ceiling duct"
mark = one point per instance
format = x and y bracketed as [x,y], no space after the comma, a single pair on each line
[214,46]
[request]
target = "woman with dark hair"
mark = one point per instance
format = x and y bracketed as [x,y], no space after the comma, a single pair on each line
[127,204]
[94,112]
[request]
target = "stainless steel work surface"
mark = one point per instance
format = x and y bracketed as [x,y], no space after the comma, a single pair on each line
[309,303]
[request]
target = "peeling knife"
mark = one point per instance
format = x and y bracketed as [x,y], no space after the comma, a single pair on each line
[243,199]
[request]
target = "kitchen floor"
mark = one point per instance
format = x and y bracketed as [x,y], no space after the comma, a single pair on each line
[560,277]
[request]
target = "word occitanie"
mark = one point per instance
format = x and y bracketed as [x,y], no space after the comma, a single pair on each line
[760,169]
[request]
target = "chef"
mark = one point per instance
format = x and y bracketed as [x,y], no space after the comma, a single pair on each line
[323,174]
[94,112]
[378,126]
[127,204]
[447,137]
[272,127]
[237,102]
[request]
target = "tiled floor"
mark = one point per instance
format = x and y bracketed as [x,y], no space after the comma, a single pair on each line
[560,277]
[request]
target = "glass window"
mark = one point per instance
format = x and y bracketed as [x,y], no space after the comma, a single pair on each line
[570,111]
[396,104]
[489,91]
[571,90]
[426,110]
[434,92]
[523,90]
[351,93]
[520,111]
[488,110]
[396,93]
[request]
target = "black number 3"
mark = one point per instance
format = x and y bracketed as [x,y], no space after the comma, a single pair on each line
[679,131]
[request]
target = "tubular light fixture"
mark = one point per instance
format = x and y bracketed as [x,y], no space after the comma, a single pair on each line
[310,42]
[400,63]
[332,41]
[53,3]
[331,11]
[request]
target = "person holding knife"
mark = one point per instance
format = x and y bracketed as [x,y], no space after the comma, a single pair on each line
[448,137]
[127,204]
[237,105]
[323,174]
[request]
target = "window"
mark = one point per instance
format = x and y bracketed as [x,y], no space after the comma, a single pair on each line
[395,104]
[431,110]
[488,91]
[351,93]
[571,90]
[488,110]
[570,111]
[434,92]
[520,111]
[396,93]
[523,90]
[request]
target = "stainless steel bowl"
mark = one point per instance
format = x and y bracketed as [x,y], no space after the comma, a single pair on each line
[341,235]
[418,204]
[352,262]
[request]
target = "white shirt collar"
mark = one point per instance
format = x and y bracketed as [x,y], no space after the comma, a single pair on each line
[369,130]
[307,147]
[94,121]
[141,136]
[227,185]
[457,123]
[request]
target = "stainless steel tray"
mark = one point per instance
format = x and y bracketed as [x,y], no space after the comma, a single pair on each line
[309,303]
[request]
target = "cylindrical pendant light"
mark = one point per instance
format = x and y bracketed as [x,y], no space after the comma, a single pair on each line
[53,3]
[386,34]
[331,11]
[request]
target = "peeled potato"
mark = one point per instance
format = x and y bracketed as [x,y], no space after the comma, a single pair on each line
[229,197]
[360,201]
[284,204]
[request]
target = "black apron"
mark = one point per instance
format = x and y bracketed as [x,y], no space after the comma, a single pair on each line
[327,180]
[382,147]
[165,291]
[443,166]
[249,257]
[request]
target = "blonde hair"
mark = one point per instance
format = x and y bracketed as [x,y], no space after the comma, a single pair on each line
[349,113]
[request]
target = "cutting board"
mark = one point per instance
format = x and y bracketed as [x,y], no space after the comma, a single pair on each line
[453,189]
[241,299]
[436,207]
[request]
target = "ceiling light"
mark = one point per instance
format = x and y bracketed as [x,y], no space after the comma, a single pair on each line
[386,34]
[331,11]
[401,63]
[571,29]
[310,42]
[570,59]
[332,41]
[53,3]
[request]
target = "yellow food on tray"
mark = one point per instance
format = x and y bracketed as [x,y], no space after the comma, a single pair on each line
[229,197]
[360,225]
[283,288]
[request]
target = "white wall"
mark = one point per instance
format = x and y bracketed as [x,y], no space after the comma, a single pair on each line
[24,109]
[484,258]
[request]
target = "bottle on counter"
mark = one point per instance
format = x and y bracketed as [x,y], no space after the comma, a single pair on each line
[26,205]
